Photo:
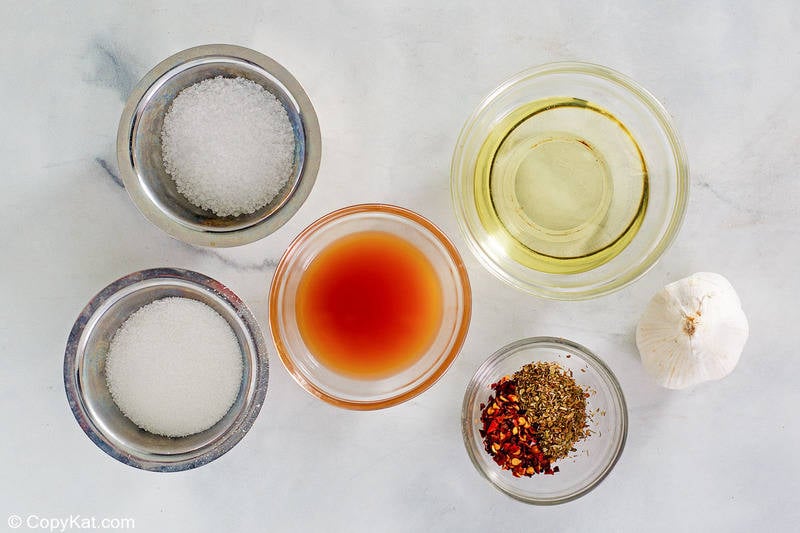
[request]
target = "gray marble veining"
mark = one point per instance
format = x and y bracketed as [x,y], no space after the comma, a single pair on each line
[111,67]
[110,169]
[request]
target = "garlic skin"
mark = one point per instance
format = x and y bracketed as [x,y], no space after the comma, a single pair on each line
[693,330]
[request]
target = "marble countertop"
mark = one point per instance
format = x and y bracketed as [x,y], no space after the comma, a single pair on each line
[392,83]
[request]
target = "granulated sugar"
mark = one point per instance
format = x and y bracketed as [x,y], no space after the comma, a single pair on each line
[228,144]
[174,367]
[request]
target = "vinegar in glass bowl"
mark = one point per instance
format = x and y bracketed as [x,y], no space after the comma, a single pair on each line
[369,305]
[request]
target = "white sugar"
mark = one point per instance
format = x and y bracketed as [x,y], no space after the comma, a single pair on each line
[228,145]
[174,367]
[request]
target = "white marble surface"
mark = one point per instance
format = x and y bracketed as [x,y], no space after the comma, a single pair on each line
[392,83]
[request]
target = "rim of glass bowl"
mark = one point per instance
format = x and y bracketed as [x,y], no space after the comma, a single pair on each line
[112,444]
[280,278]
[474,449]
[465,212]
[208,235]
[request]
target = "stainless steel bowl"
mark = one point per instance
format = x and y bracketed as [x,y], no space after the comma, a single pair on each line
[85,377]
[140,157]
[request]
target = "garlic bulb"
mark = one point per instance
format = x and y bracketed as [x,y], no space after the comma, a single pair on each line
[693,330]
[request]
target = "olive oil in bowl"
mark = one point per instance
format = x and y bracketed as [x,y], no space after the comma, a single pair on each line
[561,185]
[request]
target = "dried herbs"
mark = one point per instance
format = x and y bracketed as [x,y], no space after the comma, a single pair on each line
[534,418]
[549,395]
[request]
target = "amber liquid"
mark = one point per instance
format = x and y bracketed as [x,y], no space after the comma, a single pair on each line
[369,305]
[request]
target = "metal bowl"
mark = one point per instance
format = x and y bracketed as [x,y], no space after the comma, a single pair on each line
[140,157]
[91,401]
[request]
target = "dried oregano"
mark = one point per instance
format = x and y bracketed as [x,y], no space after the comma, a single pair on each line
[555,404]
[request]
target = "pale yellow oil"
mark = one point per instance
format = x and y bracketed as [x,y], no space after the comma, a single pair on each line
[561,185]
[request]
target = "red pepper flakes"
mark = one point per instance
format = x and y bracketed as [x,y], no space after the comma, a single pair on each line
[508,436]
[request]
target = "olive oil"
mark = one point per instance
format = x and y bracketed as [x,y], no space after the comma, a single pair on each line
[561,185]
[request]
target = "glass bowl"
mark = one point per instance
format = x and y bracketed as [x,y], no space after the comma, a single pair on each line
[596,455]
[85,376]
[140,160]
[640,114]
[360,393]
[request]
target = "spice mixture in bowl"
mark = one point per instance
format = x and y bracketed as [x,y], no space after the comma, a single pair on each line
[165,369]
[544,420]
[569,181]
[218,145]
[369,306]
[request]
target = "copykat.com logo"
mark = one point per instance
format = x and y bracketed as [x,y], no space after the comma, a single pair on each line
[68,523]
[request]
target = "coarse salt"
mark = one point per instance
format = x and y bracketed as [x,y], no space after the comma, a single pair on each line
[174,367]
[228,145]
